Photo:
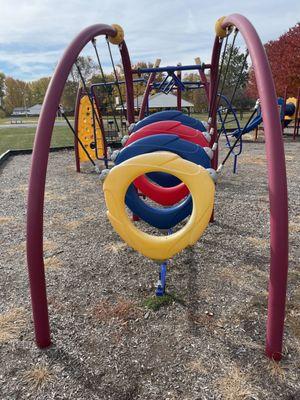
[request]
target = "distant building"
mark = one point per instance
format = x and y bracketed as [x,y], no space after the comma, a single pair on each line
[30,111]
[35,110]
[161,101]
[19,111]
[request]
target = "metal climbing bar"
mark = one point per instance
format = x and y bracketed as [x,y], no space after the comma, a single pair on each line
[105,84]
[235,88]
[238,138]
[115,74]
[150,82]
[227,65]
[111,83]
[195,67]
[219,73]
[227,135]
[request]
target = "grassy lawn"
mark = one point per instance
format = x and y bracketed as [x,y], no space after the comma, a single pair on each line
[22,138]
[25,120]
[230,122]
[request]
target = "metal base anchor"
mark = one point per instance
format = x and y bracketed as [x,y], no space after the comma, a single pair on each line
[161,284]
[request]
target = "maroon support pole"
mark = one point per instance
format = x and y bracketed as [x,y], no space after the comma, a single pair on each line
[39,168]
[128,82]
[213,99]
[76,117]
[146,96]
[297,116]
[284,107]
[147,91]
[203,78]
[277,185]
[178,92]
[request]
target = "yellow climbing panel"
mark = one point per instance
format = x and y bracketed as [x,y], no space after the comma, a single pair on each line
[85,131]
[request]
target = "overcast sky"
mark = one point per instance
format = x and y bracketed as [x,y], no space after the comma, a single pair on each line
[34,33]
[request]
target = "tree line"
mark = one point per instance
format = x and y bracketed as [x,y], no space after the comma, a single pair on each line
[283,54]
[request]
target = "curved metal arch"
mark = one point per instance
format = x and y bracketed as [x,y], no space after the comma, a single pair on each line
[276,180]
[35,206]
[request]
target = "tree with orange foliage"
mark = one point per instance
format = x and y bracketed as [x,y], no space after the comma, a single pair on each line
[284,58]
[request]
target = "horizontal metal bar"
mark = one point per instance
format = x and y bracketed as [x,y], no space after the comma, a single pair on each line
[137,80]
[170,69]
[186,83]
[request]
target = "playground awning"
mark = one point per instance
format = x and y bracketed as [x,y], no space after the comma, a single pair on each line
[161,100]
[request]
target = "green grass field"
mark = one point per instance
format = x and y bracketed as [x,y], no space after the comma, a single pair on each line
[22,138]
[7,120]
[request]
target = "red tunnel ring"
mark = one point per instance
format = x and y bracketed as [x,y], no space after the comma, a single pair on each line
[170,127]
[175,193]
[167,142]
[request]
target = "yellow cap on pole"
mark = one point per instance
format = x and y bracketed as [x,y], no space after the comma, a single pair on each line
[220,32]
[119,36]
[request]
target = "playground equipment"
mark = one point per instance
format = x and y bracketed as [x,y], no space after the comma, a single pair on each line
[172,143]
[89,130]
[159,154]
[197,180]
[234,138]
[291,111]
[288,111]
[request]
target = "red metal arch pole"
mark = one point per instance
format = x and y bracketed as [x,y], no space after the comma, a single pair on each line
[213,98]
[76,117]
[147,91]
[128,81]
[35,206]
[203,78]
[212,103]
[277,185]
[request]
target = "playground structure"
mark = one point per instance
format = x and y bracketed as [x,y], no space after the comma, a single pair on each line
[289,110]
[193,164]
[94,135]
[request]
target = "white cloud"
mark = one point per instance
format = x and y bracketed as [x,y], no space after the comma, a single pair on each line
[33,34]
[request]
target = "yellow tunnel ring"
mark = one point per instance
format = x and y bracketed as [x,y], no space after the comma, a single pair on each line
[196,178]
[118,39]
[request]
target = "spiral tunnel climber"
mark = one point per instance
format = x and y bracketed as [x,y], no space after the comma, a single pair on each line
[165,173]
[146,155]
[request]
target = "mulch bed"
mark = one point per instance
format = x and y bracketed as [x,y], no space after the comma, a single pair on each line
[208,343]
